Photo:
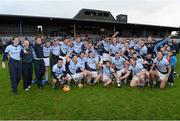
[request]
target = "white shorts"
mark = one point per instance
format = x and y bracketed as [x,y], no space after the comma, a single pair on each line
[76,77]
[120,72]
[106,57]
[94,74]
[161,76]
[105,78]
[136,78]
[46,62]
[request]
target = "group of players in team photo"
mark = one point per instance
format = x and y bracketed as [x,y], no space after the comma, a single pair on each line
[63,62]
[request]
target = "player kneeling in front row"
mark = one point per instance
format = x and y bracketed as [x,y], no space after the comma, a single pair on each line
[107,73]
[119,64]
[75,72]
[91,69]
[162,69]
[139,74]
[59,75]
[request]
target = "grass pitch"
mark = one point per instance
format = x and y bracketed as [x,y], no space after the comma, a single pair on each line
[90,102]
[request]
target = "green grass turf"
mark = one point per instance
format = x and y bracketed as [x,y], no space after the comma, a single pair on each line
[90,102]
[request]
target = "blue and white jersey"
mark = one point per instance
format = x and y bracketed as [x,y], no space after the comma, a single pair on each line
[92,50]
[125,48]
[58,70]
[73,67]
[136,69]
[47,51]
[81,62]
[64,48]
[118,62]
[91,62]
[106,71]
[14,51]
[142,51]
[139,60]
[56,50]
[106,45]
[115,48]
[70,51]
[161,65]
[77,46]
[131,44]
[136,47]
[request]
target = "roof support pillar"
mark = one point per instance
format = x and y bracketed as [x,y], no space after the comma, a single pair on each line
[20,27]
[74,30]
[114,28]
[144,33]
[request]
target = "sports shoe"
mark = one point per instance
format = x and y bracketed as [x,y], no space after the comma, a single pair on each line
[41,87]
[169,83]
[154,83]
[93,84]
[33,81]
[80,85]
[43,82]
[125,81]
[89,83]
[27,89]
[172,84]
